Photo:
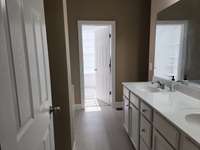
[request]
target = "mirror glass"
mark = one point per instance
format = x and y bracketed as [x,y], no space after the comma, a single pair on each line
[177,45]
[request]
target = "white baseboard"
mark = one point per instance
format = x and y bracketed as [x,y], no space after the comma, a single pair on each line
[114,105]
[117,104]
[78,106]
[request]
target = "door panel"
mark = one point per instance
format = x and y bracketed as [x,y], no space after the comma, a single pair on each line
[29,19]
[8,119]
[46,140]
[103,59]
[40,59]
[29,79]
[45,144]
[19,53]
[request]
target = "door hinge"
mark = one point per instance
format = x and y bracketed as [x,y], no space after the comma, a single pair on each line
[110,65]
[110,35]
[110,93]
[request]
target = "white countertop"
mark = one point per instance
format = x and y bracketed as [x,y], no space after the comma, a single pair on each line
[174,106]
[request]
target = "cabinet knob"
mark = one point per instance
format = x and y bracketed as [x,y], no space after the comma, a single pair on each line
[143,130]
[144,110]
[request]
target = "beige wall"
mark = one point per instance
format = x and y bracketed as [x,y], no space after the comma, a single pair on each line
[59,59]
[132,24]
[156,7]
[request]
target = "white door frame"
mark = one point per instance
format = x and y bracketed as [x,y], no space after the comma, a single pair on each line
[113,52]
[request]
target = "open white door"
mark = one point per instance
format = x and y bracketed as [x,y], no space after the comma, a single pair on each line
[25,121]
[103,64]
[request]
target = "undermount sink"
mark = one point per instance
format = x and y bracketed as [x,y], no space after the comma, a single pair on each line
[150,89]
[193,118]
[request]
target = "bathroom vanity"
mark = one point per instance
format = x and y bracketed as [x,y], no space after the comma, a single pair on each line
[159,118]
[156,119]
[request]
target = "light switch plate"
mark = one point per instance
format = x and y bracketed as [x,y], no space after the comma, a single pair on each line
[150,66]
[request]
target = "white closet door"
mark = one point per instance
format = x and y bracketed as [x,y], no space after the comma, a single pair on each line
[103,59]
[25,121]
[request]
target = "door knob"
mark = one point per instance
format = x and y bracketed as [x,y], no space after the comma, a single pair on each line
[54,109]
[95,69]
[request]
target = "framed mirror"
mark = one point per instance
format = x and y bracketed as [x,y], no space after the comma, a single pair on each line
[177,45]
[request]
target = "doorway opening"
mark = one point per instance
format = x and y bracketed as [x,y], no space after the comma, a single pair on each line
[97,63]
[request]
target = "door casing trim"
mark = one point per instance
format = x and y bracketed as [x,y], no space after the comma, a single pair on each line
[112,23]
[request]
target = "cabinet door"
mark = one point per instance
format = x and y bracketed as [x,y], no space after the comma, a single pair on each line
[134,126]
[159,143]
[126,114]
[187,144]
[146,131]
[142,145]
[170,133]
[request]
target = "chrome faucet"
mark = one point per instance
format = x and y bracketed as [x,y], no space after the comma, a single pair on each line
[173,84]
[160,84]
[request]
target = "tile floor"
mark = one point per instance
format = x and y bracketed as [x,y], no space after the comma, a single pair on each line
[101,129]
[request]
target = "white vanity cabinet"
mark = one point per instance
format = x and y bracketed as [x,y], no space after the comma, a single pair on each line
[146,125]
[143,146]
[170,133]
[126,92]
[148,129]
[159,143]
[146,111]
[126,113]
[131,116]
[134,126]
[188,144]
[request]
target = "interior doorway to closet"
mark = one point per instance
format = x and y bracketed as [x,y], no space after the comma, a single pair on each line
[96,58]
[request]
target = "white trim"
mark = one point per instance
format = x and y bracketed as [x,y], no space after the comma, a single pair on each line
[74,146]
[113,55]
[78,107]
[117,104]
[81,64]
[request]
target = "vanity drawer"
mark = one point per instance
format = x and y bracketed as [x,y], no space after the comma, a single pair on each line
[146,131]
[134,100]
[167,130]
[126,92]
[146,111]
